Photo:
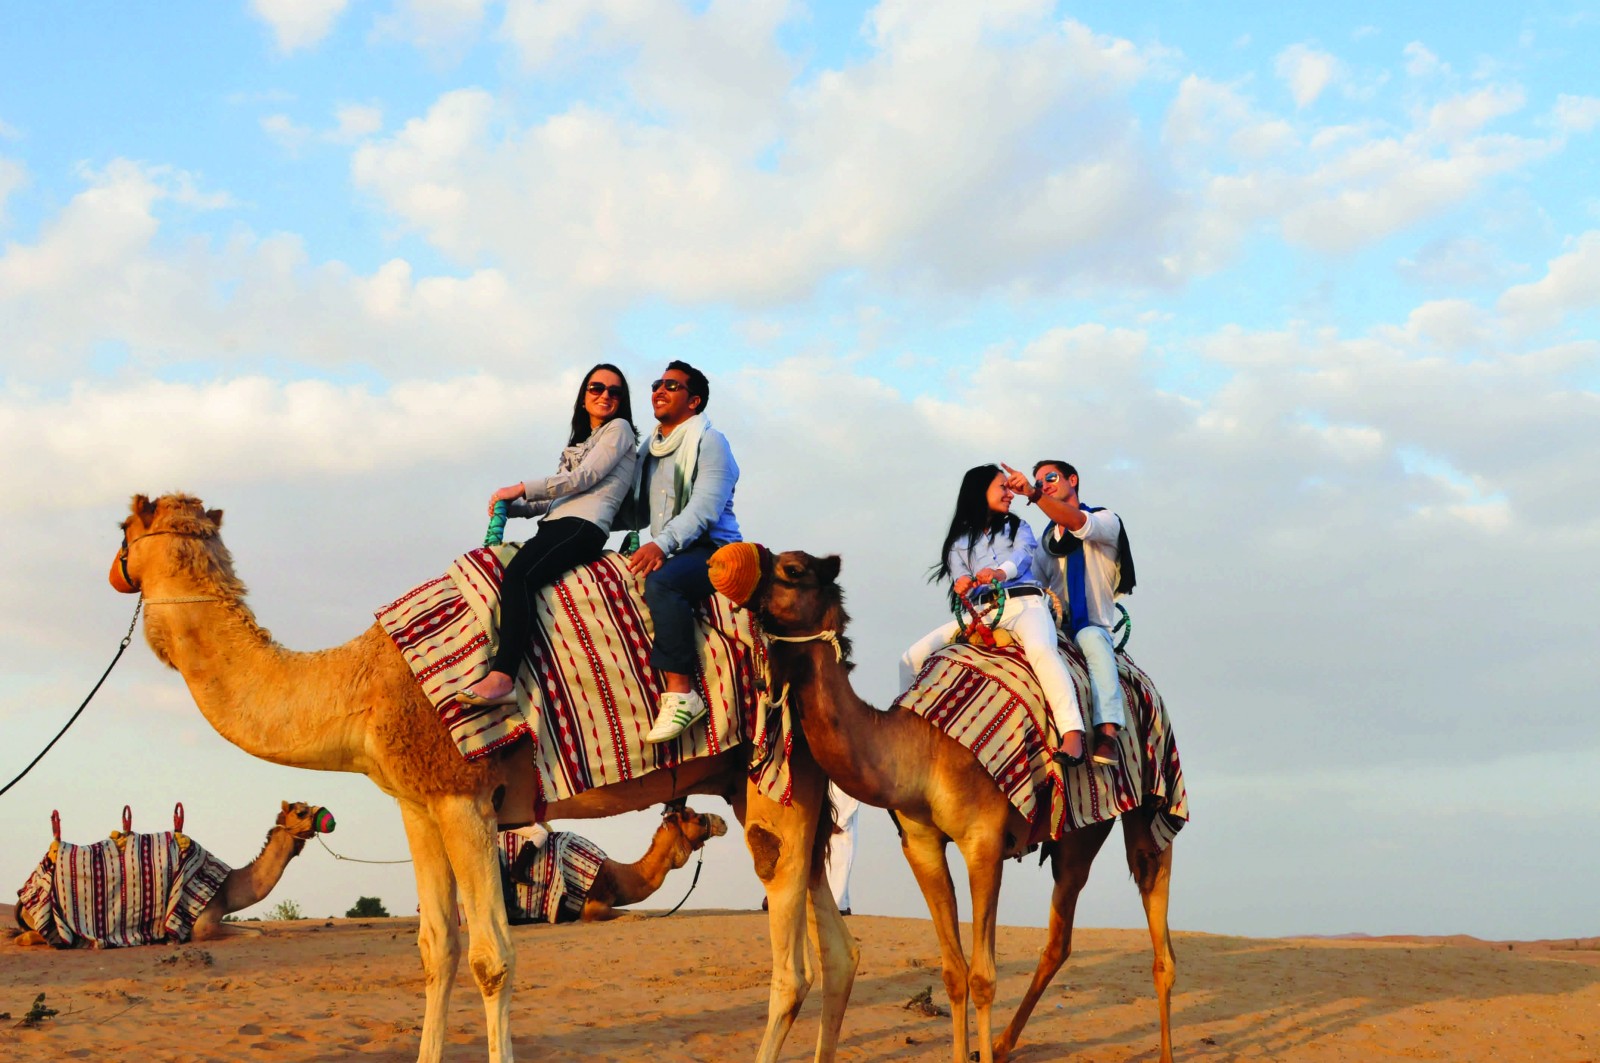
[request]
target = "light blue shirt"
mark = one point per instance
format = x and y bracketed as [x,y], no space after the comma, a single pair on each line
[709,510]
[1011,554]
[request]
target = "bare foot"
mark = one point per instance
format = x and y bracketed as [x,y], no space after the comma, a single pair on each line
[493,685]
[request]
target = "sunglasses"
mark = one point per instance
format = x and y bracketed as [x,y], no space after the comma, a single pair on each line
[597,388]
[667,385]
[1047,478]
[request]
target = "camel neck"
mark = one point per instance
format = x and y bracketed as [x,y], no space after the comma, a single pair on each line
[874,756]
[270,702]
[639,880]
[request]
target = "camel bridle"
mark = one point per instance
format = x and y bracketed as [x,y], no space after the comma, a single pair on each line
[122,563]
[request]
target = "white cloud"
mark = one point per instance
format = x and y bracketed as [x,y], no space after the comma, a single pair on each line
[435,25]
[1452,119]
[1422,63]
[1570,286]
[13,176]
[354,121]
[298,24]
[1307,72]
[288,135]
[1577,114]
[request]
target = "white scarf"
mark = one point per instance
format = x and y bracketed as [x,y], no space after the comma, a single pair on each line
[683,445]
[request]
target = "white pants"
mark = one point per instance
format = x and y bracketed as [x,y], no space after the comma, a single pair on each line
[1030,620]
[842,846]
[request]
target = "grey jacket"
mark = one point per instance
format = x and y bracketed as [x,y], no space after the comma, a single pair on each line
[590,482]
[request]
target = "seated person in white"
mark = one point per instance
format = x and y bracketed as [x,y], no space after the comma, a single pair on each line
[1081,562]
[986,543]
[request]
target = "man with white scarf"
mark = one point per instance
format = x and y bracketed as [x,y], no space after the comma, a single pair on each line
[684,484]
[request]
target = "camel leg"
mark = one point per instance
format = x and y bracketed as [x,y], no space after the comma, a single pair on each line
[837,957]
[467,826]
[1069,866]
[437,935]
[1152,870]
[983,857]
[923,846]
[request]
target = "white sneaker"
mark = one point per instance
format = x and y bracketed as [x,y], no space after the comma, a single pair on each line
[674,713]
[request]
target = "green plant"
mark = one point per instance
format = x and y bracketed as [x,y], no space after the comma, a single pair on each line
[368,908]
[285,910]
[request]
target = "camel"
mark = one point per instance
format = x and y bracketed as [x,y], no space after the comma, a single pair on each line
[938,793]
[357,708]
[250,884]
[680,835]
[247,885]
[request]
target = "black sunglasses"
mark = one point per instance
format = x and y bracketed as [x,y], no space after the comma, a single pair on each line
[597,388]
[1047,478]
[667,385]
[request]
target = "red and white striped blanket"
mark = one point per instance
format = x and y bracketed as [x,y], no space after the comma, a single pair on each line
[586,692]
[562,873]
[132,889]
[990,702]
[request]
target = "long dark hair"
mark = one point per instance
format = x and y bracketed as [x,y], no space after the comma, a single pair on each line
[580,416]
[973,517]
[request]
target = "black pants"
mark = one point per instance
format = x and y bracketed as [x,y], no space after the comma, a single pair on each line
[558,547]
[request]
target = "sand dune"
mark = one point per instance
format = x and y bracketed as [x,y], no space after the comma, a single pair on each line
[692,987]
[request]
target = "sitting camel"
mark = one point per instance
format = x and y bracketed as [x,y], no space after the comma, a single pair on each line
[937,790]
[593,893]
[357,707]
[238,889]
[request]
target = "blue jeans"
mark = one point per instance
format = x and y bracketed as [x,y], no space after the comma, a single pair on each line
[1100,654]
[672,592]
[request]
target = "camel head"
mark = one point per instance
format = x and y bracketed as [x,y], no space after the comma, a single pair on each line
[694,828]
[791,594]
[303,820]
[171,534]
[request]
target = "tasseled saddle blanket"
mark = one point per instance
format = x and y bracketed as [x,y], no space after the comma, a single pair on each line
[586,691]
[132,889]
[562,872]
[990,702]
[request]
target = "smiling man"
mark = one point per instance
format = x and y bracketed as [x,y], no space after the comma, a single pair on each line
[684,488]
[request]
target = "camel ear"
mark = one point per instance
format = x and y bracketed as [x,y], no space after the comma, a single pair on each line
[214,516]
[828,568]
[285,805]
[143,508]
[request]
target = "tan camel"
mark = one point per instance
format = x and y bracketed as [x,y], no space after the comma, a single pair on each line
[357,708]
[250,884]
[680,836]
[939,793]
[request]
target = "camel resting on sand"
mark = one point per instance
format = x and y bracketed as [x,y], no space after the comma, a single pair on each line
[680,835]
[247,885]
[358,708]
[938,791]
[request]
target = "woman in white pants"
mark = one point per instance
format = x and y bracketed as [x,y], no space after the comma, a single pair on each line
[986,544]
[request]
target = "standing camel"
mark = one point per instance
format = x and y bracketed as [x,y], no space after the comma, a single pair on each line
[680,835]
[938,791]
[242,886]
[356,707]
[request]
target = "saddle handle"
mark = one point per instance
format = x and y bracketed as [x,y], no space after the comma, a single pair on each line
[177,818]
[55,823]
[127,820]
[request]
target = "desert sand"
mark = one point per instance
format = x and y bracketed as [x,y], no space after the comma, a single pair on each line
[692,987]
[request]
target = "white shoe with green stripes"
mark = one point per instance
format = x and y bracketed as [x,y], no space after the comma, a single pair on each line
[674,714]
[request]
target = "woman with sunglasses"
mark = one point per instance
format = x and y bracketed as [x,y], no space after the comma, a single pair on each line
[579,502]
[986,544]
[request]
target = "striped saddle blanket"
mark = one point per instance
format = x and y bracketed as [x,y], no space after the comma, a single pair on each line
[562,872]
[132,889]
[990,702]
[586,692]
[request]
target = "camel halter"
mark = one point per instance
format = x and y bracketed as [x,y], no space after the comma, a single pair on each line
[122,562]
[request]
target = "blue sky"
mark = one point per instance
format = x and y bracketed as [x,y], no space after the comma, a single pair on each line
[1309,296]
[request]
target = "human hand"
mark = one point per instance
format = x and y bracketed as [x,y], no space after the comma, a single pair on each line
[506,494]
[1018,481]
[987,576]
[646,559]
[963,584]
